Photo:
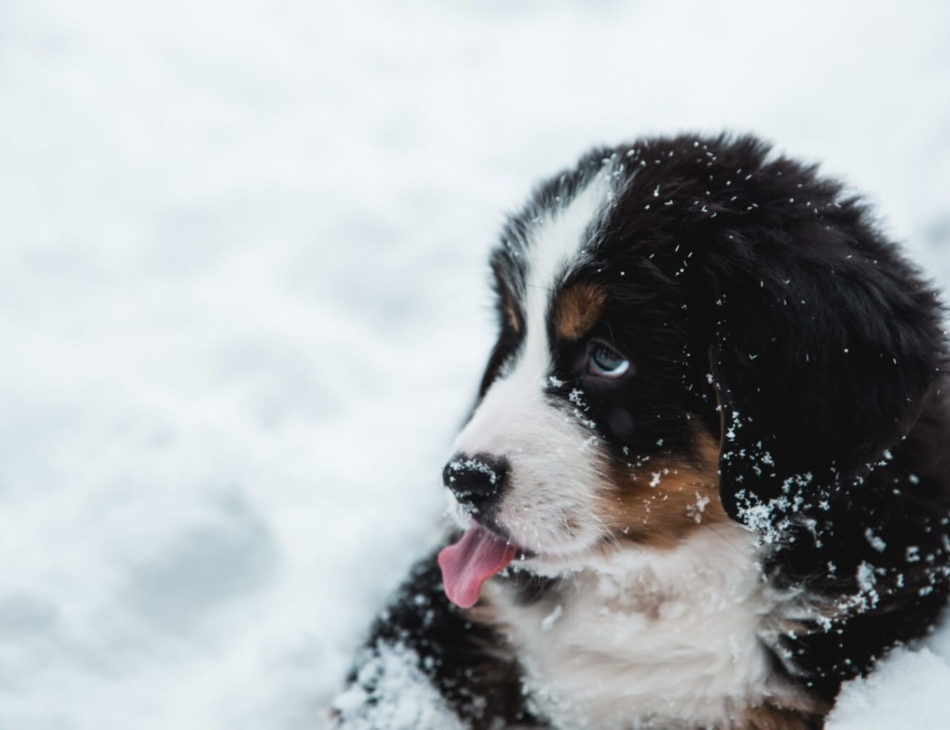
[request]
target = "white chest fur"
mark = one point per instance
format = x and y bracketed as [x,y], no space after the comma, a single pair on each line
[651,638]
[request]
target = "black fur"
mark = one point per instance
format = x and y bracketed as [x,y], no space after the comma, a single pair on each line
[760,301]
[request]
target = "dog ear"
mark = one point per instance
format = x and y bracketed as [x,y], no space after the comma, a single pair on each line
[824,343]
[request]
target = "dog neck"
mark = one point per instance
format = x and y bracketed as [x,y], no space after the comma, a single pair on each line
[647,635]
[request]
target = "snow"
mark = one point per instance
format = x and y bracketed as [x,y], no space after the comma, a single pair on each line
[243,301]
[402,696]
[904,691]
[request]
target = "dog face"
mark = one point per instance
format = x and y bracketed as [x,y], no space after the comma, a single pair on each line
[688,329]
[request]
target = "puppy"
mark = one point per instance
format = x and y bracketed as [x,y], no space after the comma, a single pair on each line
[707,476]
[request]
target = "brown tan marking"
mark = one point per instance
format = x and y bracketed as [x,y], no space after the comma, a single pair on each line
[805,714]
[511,311]
[662,501]
[577,310]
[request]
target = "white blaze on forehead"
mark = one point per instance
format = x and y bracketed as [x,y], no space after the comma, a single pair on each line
[557,243]
[553,467]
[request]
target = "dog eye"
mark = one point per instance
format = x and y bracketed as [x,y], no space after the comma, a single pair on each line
[606,362]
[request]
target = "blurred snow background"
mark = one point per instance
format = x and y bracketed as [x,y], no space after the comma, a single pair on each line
[242,305]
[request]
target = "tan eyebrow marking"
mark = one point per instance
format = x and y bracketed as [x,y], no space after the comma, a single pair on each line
[577,310]
[510,310]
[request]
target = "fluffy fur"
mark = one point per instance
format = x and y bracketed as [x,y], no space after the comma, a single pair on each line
[715,425]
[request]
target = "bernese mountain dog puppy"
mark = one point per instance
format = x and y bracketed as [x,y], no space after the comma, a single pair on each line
[707,475]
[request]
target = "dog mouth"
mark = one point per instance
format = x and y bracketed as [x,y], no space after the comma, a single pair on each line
[478,555]
[483,552]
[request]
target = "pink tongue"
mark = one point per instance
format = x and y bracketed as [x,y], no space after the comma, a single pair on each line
[471,561]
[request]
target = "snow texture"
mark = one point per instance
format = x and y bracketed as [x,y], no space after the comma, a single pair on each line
[243,302]
[402,696]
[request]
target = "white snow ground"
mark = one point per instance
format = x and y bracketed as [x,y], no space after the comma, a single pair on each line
[242,305]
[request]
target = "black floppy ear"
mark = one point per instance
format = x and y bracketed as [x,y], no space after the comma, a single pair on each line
[824,342]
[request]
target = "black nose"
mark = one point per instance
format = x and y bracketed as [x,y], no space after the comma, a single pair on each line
[476,481]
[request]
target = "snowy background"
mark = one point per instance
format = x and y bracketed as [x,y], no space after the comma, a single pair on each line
[242,301]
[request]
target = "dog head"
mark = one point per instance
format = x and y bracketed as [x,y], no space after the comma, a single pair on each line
[688,327]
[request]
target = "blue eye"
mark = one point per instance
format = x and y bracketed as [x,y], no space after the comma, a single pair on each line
[606,362]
